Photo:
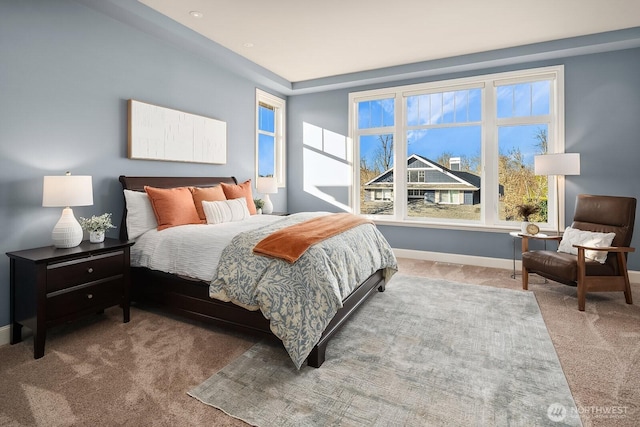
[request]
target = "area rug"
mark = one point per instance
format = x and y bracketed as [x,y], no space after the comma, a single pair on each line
[426,352]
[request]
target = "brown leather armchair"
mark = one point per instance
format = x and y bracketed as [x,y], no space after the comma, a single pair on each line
[603,214]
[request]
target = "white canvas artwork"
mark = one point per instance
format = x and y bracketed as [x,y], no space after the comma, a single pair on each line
[158,133]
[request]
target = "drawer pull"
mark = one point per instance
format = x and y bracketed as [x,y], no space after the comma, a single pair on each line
[90,270]
[89,296]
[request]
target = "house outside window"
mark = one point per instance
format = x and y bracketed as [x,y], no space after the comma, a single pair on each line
[465,146]
[270,137]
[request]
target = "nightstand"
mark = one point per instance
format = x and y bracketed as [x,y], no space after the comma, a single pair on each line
[50,285]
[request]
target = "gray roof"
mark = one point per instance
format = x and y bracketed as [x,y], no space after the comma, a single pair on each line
[468,177]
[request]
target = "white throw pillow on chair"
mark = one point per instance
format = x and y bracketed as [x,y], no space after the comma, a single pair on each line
[573,236]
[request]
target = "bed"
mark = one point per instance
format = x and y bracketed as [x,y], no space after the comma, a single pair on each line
[191,297]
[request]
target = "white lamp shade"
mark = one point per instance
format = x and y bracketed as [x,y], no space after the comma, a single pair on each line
[267,185]
[557,164]
[67,190]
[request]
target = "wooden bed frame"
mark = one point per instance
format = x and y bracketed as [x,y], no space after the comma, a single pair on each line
[190,298]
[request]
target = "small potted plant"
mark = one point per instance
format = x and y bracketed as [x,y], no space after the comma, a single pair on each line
[259,204]
[525,211]
[96,226]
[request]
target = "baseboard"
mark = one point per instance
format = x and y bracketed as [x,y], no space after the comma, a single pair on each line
[5,334]
[507,264]
[477,261]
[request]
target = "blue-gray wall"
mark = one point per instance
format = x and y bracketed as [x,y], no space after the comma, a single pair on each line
[67,68]
[602,112]
[66,72]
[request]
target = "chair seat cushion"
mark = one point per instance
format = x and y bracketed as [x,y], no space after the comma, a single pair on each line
[560,266]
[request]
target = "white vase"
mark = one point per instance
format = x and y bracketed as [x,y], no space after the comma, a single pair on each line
[96,236]
[523,226]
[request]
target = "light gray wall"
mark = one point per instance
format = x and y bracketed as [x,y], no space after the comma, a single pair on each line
[67,68]
[66,72]
[602,104]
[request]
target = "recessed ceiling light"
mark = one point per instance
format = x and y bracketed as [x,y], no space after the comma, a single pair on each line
[196,14]
[247,44]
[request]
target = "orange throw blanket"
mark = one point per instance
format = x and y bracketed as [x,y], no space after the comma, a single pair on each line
[291,242]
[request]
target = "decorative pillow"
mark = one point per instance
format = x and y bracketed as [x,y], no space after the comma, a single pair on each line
[209,194]
[234,191]
[140,215]
[226,210]
[173,206]
[573,236]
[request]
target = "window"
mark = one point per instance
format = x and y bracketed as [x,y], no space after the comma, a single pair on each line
[443,134]
[375,144]
[523,121]
[270,136]
[466,148]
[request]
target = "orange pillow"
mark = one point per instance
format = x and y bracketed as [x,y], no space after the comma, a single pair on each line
[235,191]
[172,206]
[208,194]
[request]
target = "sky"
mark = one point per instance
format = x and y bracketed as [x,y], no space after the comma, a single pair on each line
[450,122]
[266,143]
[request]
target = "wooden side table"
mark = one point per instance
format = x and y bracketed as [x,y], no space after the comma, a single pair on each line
[50,285]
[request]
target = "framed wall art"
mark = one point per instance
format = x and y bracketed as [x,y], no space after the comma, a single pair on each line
[158,133]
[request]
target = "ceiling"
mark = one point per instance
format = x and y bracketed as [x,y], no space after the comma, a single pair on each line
[302,40]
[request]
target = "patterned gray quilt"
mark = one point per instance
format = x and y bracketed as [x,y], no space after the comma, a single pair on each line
[301,298]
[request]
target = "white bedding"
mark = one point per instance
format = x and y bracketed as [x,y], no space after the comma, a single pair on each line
[299,299]
[191,250]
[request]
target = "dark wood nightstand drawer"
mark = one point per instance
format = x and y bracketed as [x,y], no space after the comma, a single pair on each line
[70,273]
[74,300]
[50,286]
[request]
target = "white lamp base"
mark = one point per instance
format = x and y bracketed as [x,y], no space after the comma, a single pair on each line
[67,233]
[267,208]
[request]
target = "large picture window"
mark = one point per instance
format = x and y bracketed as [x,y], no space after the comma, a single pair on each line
[466,148]
[270,137]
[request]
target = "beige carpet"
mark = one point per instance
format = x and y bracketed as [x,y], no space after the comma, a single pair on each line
[100,371]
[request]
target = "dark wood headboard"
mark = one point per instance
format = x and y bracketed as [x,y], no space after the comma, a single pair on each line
[137,183]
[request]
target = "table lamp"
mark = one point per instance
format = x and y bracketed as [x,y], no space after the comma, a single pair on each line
[559,164]
[266,186]
[66,191]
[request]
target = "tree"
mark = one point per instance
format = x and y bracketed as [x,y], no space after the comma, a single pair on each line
[543,187]
[521,185]
[466,164]
[541,136]
[384,153]
[444,159]
[372,167]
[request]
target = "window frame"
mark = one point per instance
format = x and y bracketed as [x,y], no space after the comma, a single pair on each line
[279,105]
[489,83]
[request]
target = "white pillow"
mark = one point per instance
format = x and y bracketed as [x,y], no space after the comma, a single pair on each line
[140,215]
[573,236]
[226,210]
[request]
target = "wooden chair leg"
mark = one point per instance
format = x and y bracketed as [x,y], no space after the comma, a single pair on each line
[582,279]
[525,279]
[622,265]
[582,295]
[627,292]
